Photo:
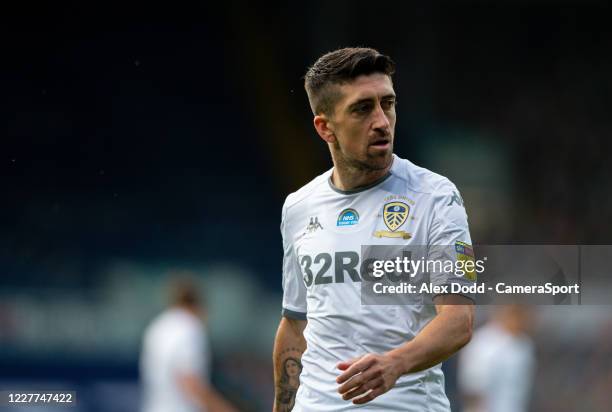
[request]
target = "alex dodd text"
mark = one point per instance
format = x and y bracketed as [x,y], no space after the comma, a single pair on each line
[500,288]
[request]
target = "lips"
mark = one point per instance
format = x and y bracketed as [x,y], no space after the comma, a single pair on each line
[381,142]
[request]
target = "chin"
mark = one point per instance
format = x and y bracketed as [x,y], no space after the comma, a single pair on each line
[380,161]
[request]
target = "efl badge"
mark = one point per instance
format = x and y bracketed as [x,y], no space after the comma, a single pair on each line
[348,217]
[394,216]
[465,253]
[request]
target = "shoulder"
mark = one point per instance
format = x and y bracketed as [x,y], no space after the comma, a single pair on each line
[445,205]
[305,191]
[176,321]
[188,322]
[159,329]
[420,179]
[298,199]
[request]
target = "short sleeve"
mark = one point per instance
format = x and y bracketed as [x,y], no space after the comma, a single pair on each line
[449,238]
[294,290]
[191,356]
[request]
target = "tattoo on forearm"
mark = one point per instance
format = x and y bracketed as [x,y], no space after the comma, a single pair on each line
[288,378]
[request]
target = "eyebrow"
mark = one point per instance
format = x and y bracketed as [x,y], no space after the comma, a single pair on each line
[369,99]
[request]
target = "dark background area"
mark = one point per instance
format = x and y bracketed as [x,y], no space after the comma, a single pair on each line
[146,135]
[173,133]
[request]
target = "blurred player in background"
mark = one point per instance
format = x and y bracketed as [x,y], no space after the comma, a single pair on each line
[496,369]
[175,358]
[384,358]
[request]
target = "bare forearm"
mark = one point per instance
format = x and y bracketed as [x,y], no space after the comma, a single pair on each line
[287,356]
[205,395]
[448,332]
[216,402]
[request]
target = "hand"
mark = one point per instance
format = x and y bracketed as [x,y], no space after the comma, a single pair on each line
[371,374]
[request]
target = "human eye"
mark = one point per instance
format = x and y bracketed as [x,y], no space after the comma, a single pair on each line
[362,108]
[388,104]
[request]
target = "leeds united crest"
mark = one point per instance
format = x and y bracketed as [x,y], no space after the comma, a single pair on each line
[394,216]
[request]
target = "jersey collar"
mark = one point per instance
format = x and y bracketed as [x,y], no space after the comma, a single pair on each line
[362,188]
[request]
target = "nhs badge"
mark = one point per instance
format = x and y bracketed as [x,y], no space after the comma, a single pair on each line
[348,217]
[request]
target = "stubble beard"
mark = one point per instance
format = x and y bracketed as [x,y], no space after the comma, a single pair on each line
[371,163]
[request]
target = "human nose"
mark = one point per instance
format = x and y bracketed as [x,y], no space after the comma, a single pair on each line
[381,121]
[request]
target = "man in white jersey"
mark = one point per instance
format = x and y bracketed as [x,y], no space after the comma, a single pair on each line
[175,359]
[496,369]
[352,355]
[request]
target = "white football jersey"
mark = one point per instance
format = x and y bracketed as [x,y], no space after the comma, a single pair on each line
[498,367]
[323,230]
[175,343]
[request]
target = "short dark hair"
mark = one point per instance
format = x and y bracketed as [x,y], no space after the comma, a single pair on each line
[184,290]
[339,67]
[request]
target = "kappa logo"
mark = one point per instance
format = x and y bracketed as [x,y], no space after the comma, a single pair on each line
[456,198]
[313,225]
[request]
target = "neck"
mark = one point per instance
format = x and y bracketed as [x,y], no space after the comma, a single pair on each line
[347,177]
[189,308]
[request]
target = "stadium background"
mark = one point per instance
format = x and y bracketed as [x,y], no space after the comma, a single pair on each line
[141,141]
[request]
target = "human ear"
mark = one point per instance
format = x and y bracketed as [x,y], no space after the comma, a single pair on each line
[324,128]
